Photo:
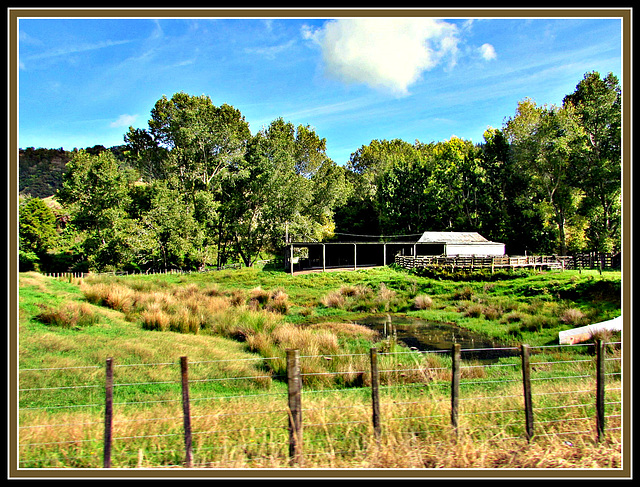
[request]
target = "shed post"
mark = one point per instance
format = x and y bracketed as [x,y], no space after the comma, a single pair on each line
[324,256]
[355,256]
[291,258]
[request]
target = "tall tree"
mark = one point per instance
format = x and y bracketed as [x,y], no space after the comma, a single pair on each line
[37,231]
[597,160]
[542,138]
[457,185]
[96,192]
[512,216]
[202,139]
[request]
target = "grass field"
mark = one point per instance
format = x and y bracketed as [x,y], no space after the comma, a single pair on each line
[238,324]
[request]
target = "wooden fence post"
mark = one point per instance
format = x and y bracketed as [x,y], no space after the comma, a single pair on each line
[108,414]
[526,382]
[295,407]
[186,413]
[600,377]
[455,385]
[375,393]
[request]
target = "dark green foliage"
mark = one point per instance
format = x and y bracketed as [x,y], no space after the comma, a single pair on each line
[37,232]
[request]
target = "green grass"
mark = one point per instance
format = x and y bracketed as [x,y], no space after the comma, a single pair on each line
[237,331]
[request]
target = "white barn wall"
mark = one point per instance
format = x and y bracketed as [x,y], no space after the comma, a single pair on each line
[493,248]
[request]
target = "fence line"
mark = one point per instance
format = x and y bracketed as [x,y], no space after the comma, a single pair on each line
[385,391]
[149,272]
[591,260]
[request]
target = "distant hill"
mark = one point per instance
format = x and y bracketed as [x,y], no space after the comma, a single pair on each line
[41,170]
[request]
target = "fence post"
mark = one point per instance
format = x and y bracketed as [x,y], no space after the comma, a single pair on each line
[186,413]
[455,385]
[108,414]
[295,406]
[375,393]
[526,382]
[600,362]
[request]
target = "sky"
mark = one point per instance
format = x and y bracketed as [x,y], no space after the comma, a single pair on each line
[85,81]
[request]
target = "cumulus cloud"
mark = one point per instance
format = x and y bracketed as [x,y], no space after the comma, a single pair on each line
[488,52]
[124,120]
[388,53]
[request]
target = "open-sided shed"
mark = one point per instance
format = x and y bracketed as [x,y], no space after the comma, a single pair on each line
[323,256]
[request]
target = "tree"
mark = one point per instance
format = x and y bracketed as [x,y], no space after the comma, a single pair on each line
[542,138]
[96,191]
[388,177]
[457,186]
[37,231]
[266,195]
[511,216]
[597,157]
[175,238]
[202,140]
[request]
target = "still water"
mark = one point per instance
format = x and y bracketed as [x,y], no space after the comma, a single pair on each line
[426,335]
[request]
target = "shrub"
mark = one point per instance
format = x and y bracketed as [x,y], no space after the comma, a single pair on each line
[513,317]
[278,302]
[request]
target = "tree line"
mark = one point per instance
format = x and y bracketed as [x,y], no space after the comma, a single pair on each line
[197,189]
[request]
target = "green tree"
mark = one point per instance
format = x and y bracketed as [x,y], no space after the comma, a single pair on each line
[542,138]
[285,185]
[388,177]
[457,186]
[173,237]
[511,216]
[266,195]
[96,192]
[37,232]
[597,156]
[202,140]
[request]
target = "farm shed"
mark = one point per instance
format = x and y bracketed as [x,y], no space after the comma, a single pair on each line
[321,256]
[458,243]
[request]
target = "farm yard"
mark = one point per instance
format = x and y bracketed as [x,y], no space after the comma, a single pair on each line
[259,369]
[414,319]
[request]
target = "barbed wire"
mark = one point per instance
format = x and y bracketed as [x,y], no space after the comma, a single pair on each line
[327,415]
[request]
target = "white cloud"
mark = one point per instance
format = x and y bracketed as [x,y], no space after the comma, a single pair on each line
[388,53]
[488,52]
[124,120]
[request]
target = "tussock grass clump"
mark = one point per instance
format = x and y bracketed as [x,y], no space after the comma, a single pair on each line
[68,315]
[573,316]
[422,302]
[361,298]
[276,301]
[334,299]
[464,293]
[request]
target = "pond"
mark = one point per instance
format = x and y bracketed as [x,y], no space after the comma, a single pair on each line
[424,335]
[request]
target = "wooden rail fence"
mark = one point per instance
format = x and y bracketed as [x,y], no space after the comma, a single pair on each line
[474,262]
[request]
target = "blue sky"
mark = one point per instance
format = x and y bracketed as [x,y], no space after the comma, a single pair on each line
[84,81]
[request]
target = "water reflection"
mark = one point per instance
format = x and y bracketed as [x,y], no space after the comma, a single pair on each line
[424,335]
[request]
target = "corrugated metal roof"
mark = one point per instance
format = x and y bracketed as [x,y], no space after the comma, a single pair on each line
[452,237]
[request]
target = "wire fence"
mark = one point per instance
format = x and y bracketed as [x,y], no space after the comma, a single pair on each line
[283,410]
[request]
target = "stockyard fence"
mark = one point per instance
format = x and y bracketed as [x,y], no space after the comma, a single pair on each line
[590,260]
[182,414]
